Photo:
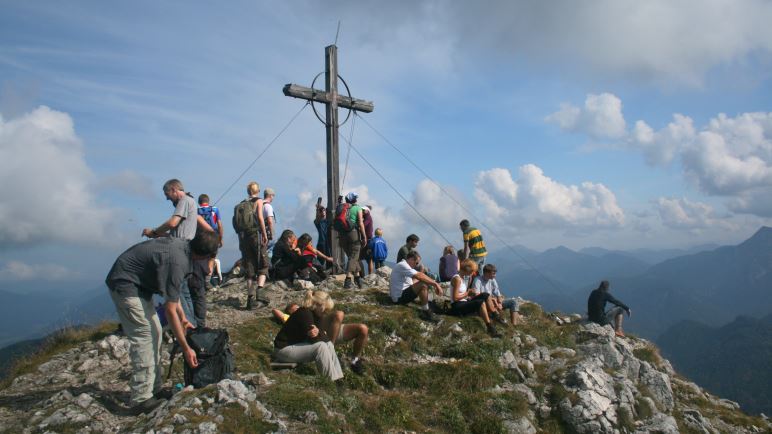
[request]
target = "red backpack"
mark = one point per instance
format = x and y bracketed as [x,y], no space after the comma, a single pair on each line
[341,222]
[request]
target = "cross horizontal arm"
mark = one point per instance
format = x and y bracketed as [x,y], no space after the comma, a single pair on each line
[307,93]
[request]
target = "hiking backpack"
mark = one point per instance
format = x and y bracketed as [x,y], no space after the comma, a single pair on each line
[215,359]
[209,213]
[244,220]
[341,222]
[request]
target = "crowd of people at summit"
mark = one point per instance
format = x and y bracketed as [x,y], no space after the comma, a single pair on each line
[178,263]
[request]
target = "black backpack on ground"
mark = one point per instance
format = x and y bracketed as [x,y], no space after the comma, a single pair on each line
[215,359]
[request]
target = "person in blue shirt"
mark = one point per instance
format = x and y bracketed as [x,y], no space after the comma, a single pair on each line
[377,246]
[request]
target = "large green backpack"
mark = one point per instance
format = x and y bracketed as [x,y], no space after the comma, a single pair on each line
[244,220]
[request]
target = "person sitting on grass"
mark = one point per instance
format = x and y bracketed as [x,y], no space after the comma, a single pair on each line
[466,300]
[596,308]
[487,284]
[333,326]
[303,339]
[408,284]
[283,316]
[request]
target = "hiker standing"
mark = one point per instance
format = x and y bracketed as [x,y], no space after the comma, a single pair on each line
[249,224]
[596,308]
[269,215]
[474,246]
[366,255]
[322,229]
[182,224]
[212,216]
[379,249]
[156,266]
[352,237]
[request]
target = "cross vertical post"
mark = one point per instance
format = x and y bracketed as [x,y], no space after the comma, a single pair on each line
[332,100]
[333,160]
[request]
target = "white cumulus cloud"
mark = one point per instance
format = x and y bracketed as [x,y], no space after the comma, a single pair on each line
[534,199]
[600,118]
[49,193]
[681,213]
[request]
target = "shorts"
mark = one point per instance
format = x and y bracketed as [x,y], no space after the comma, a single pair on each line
[254,256]
[408,294]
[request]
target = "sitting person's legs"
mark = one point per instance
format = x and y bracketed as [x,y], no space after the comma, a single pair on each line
[323,353]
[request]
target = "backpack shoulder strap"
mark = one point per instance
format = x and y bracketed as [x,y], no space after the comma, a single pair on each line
[176,349]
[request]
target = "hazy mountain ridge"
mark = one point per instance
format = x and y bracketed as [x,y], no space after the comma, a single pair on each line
[733,360]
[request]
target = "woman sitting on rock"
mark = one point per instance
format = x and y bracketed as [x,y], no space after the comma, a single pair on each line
[286,259]
[303,339]
[465,300]
[312,257]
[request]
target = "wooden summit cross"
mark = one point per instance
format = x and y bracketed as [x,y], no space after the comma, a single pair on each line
[332,100]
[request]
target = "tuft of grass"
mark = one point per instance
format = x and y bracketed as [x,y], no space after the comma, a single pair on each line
[237,421]
[648,354]
[389,411]
[58,342]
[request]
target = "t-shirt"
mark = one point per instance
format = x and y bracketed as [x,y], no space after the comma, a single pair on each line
[295,330]
[352,217]
[489,286]
[367,220]
[268,212]
[157,266]
[473,237]
[187,209]
[401,279]
[402,253]
[448,266]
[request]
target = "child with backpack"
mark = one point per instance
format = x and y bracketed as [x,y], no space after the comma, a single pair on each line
[377,246]
[212,216]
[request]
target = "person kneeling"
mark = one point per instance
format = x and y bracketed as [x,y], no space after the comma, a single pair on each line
[303,339]
[465,300]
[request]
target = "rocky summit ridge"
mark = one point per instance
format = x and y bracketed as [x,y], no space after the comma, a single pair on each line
[552,373]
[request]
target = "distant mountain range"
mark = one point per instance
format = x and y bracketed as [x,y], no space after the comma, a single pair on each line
[710,286]
[33,315]
[734,360]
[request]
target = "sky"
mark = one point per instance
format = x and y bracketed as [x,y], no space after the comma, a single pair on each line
[619,124]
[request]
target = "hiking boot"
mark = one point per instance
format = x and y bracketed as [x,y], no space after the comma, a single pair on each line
[164,394]
[427,315]
[208,285]
[492,331]
[358,367]
[347,283]
[250,302]
[500,320]
[146,406]
[360,282]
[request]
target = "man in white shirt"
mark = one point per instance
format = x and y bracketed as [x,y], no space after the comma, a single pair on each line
[487,283]
[407,284]
[269,216]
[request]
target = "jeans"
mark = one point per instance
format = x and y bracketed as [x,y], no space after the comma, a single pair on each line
[187,303]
